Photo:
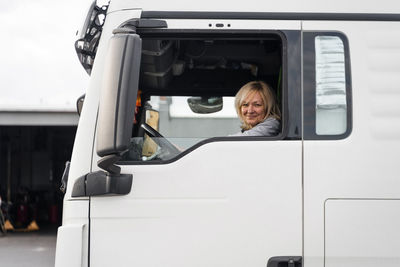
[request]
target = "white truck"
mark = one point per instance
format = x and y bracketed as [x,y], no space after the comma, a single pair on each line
[156,180]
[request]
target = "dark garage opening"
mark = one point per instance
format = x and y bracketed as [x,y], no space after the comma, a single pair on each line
[32,161]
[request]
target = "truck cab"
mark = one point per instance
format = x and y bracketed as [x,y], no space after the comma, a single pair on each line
[156,177]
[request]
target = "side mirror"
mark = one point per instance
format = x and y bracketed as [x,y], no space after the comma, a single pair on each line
[205,105]
[118,98]
[79,104]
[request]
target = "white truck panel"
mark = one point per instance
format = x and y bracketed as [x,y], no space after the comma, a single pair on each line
[362,232]
[69,250]
[365,165]
[202,211]
[309,6]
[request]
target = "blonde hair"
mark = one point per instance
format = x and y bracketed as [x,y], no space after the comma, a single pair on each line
[267,95]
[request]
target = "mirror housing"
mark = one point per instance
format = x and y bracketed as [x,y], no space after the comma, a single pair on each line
[118,98]
[205,105]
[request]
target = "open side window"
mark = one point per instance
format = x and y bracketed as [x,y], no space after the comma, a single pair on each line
[187,86]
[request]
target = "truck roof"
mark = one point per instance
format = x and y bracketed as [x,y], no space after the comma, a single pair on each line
[268,6]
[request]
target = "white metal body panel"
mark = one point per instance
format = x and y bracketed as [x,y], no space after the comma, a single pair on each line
[235,24]
[362,233]
[72,236]
[365,165]
[70,246]
[223,204]
[309,6]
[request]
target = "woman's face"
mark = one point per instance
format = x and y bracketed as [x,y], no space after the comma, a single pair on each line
[253,109]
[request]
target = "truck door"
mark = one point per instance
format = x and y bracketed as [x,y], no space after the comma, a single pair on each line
[221,201]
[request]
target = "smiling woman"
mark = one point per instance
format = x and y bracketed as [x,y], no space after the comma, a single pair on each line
[257,109]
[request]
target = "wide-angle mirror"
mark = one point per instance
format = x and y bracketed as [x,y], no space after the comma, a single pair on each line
[205,105]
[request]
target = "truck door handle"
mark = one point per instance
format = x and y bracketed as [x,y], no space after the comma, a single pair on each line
[285,261]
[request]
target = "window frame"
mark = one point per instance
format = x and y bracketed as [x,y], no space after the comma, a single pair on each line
[309,87]
[291,102]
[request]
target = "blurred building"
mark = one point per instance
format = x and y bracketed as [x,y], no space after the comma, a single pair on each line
[35,143]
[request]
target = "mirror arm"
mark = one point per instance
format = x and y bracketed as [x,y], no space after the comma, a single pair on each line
[107,163]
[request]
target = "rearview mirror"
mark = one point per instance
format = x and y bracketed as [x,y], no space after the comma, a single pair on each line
[118,97]
[205,105]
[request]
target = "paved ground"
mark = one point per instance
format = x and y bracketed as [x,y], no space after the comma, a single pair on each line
[28,249]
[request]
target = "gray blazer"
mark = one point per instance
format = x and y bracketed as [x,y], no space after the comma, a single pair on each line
[269,127]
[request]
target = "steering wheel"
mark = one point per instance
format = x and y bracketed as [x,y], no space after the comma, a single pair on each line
[160,140]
